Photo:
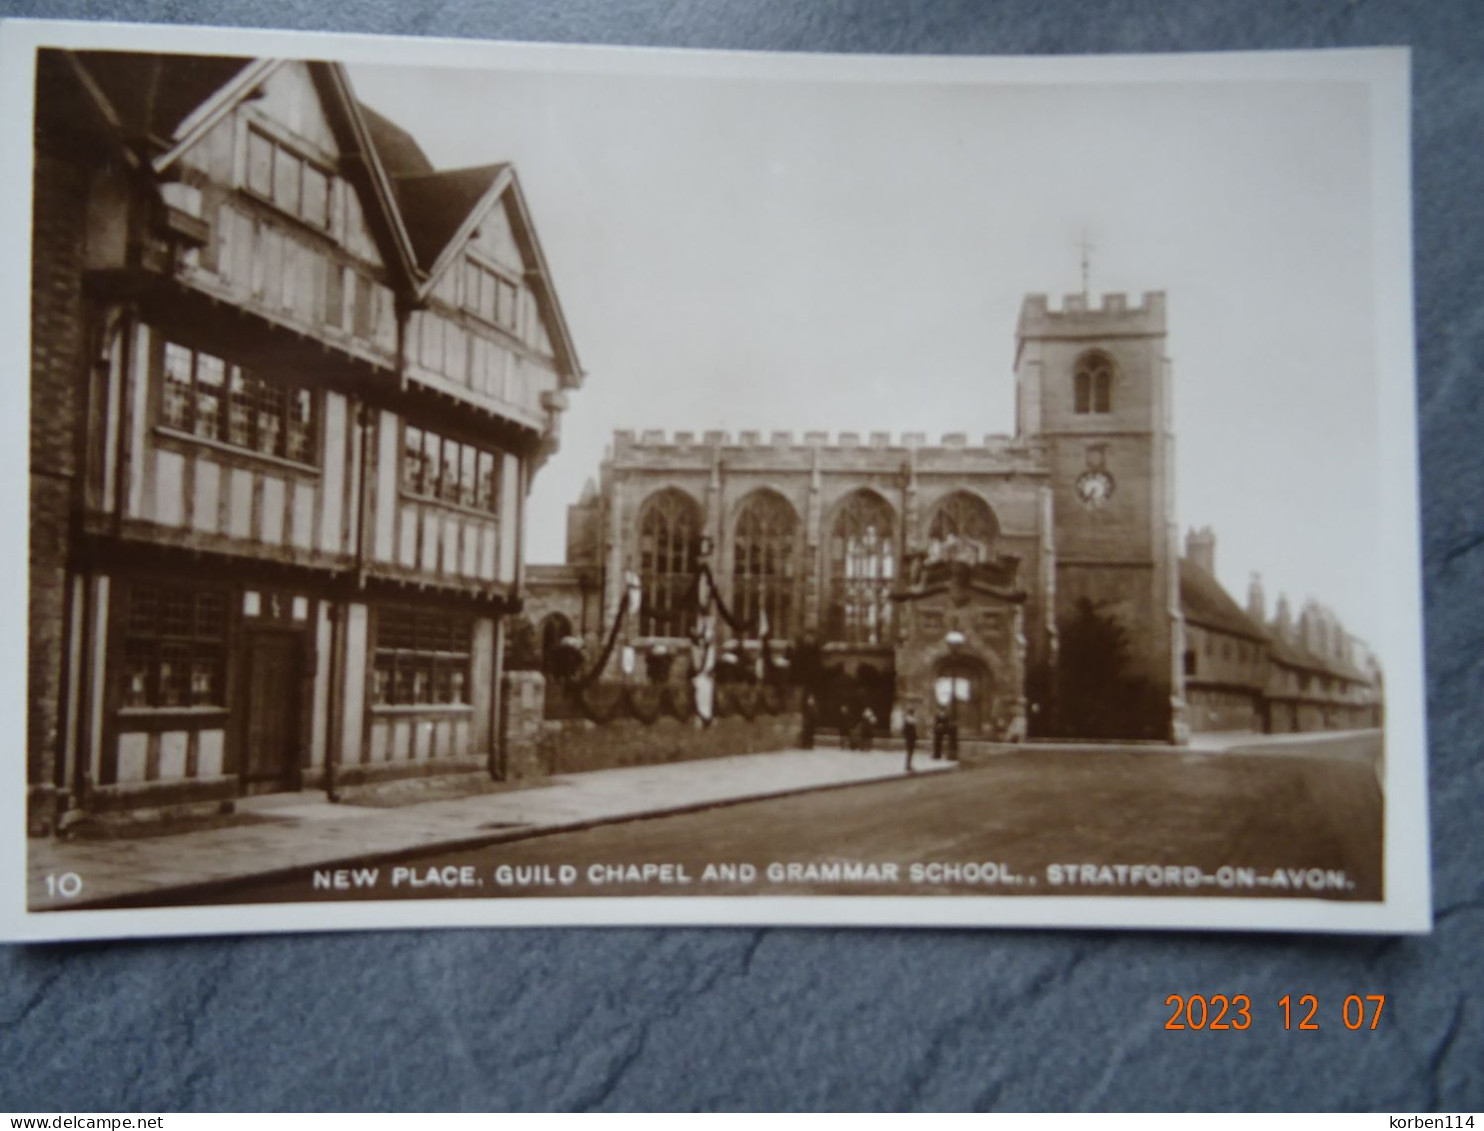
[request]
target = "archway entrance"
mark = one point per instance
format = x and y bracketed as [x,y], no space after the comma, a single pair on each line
[962,686]
[847,689]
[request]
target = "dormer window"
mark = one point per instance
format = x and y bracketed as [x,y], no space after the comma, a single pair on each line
[290,182]
[1093,384]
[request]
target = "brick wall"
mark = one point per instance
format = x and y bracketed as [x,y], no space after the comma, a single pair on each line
[57,355]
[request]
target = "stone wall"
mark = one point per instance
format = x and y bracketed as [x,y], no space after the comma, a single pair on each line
[570,746]
[539,747]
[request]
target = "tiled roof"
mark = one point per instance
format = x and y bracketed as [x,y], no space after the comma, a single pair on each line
[1293,654]
[152,94]
[400,154]
[435,205]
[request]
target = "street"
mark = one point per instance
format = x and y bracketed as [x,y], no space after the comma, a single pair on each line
[1300,818]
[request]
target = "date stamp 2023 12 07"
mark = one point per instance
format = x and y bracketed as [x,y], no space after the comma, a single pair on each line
[1303,1012]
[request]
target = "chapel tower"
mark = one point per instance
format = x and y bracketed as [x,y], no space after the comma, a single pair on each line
[1093,385]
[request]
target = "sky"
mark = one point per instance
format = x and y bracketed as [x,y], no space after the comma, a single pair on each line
[749,253]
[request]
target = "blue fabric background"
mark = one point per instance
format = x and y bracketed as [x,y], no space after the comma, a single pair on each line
[854,1019]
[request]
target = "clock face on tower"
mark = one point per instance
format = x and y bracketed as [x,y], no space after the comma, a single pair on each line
[1094,487]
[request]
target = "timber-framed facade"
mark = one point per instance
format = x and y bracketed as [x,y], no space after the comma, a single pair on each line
[289,387]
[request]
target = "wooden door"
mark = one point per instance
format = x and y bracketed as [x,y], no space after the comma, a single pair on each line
[270,701]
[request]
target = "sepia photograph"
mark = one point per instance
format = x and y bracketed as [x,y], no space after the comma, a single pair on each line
[477,484]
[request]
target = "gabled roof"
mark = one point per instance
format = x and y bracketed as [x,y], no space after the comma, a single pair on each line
[152,94]
[435,206]
[400,154]
[1206,603]
[156,106]
[443,194]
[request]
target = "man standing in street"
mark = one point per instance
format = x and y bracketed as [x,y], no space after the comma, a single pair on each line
[909,735]
[940,732]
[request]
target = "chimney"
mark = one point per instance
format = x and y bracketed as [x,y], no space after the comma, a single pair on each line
[1257,605]
[1283,618]
[1200,547]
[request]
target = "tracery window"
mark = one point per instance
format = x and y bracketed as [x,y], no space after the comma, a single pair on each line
[669,530]
[963,529]
[862,571]
[1093,381]
[763,563]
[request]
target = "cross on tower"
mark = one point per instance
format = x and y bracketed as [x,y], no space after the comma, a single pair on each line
[1085,246]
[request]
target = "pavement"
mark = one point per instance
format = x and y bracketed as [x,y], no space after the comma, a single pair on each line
[293,831]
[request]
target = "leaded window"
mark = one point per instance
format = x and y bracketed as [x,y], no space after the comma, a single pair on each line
[449,471]
[1093,383]
[206,397]
[292,183]
[490,295]
[862,571]
[669,531]
[174,647]
[422,657]
[963,528]
[763,556]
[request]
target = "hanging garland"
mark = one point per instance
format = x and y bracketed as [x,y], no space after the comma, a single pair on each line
[702,697]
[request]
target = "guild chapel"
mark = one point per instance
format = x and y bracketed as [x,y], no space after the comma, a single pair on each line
[1030,584]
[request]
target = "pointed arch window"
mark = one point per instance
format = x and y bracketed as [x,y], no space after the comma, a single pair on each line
[1093,381]
[763,556]
[963,528]
[862,571]
[669,530]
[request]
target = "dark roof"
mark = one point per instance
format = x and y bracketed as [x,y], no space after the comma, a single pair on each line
[435,205]
[1295,655]
[400,154]
[152,94]
[1206,603]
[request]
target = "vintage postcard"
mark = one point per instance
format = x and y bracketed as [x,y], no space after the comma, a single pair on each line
[478,484]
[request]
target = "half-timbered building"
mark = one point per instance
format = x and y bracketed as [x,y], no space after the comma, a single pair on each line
[290,384]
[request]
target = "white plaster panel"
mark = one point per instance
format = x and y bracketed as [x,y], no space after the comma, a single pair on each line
[169,488]
[303,527]
[333,483]
[510,516]
[209,747]
[204,506]
[450,559]
[431,532]
[407,552]
[173,746]
[389,436]
[239,507]
[273,496]
[355,683]
[321,686]
[133,754]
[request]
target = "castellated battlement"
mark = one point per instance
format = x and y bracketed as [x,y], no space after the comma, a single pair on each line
[656,438]
[1078,314]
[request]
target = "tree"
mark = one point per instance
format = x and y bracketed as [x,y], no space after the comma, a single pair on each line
[522,649]
[1097,697]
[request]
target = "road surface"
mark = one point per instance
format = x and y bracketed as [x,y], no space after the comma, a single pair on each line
[1301,820]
